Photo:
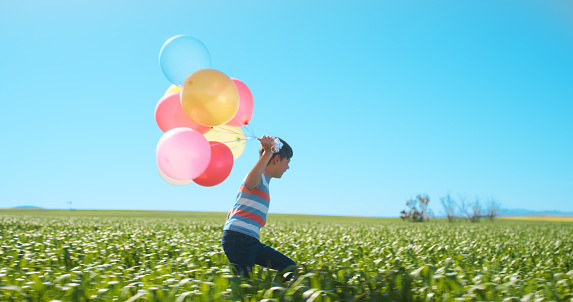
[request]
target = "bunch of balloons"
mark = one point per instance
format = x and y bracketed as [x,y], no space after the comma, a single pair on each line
[201,115]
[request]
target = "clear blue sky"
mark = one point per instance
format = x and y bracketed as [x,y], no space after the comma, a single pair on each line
[380,100]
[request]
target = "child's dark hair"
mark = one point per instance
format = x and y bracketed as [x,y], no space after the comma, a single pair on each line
[285,152]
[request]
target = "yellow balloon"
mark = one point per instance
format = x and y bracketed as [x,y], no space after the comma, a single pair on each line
[172,88]
[233,137]
[210,97]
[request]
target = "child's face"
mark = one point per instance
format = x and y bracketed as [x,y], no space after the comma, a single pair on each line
[282,165]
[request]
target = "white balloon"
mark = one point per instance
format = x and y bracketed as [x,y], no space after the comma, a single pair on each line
[172,181]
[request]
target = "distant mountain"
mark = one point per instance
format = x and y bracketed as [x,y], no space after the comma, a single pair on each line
[525,212]
[27,207]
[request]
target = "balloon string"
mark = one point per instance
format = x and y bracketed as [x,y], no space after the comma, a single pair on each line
[249,129]
[229,131]
[247,137]
[233,141]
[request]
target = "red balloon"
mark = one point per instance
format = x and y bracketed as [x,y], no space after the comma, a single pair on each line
[246,105]
[219,167]
[169,114]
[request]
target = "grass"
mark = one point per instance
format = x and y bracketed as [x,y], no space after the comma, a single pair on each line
[96,255]
[221,216]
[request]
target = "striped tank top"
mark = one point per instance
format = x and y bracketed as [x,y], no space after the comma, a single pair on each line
[249,214]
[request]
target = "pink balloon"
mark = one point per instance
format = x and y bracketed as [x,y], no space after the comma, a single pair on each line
[169,114]
[183,153]
[246,105]
[220,166]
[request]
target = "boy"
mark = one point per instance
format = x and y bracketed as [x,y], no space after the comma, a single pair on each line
[244,222]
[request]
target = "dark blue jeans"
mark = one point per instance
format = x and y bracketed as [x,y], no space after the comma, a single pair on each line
[244,252]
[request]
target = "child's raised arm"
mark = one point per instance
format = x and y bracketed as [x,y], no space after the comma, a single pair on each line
[253,178]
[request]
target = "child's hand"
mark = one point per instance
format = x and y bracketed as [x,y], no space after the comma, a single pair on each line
[267,143]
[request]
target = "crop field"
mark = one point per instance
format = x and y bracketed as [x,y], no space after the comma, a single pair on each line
[59,255]
[543,218]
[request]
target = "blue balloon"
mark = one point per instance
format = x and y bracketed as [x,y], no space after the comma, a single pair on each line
[182,55]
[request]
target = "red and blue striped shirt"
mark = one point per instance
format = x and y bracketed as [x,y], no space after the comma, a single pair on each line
[249,214]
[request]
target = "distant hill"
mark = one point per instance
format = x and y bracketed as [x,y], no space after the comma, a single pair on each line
[525,212]
[27,207]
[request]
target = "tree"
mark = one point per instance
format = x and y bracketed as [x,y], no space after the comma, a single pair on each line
[449,205]
[476,215]
[465,210]
[492,209]
[415,214]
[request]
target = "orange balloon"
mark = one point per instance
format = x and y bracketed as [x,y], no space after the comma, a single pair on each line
[210,97]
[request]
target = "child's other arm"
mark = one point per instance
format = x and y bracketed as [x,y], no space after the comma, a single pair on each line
[253,178]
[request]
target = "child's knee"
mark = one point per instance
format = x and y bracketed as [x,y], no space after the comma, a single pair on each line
[292,267]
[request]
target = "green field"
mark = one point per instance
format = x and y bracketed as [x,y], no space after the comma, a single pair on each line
[80,255]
